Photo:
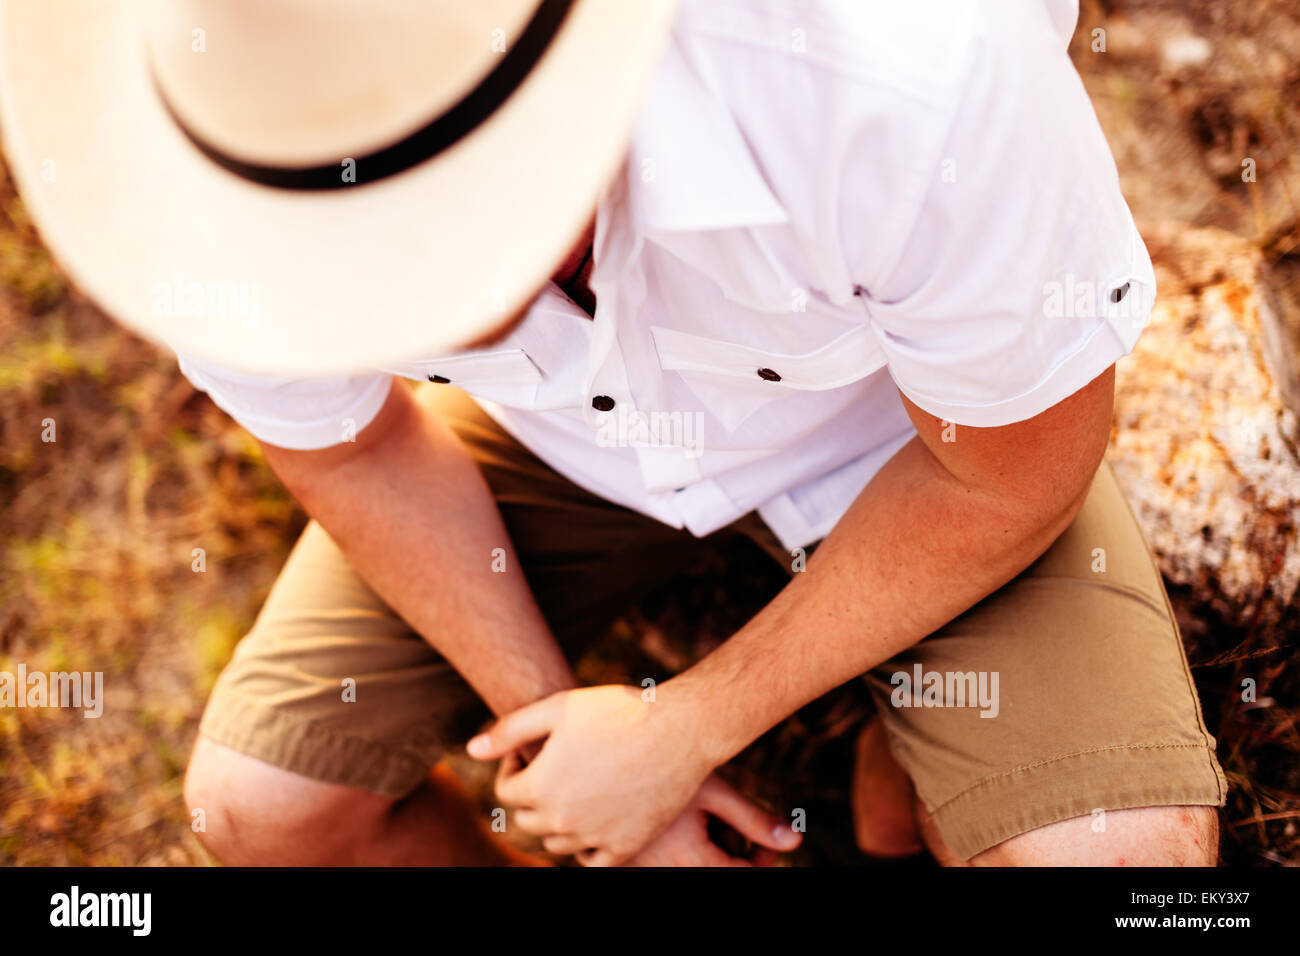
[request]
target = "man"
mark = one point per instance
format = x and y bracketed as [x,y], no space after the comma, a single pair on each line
[857,279]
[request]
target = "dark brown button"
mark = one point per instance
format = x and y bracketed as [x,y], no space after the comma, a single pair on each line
[767,375]
[439,379]
[1117,294]
[602,403]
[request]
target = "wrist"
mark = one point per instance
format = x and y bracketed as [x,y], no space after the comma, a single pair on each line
[699,721]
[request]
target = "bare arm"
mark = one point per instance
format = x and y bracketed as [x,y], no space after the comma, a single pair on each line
[408,506]
[941,526]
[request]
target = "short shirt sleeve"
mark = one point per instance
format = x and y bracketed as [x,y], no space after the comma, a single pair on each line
[1022,276]
[299,414]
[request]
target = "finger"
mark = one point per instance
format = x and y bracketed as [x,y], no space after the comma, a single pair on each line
[521,757]
[562,844]
[517,728]
[751,821]
[510,765]
[536,823]
[702,856]
[596,857]
[691,846]
[713,855]
[513,785]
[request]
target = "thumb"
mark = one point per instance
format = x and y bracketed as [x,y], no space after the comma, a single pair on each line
[517,728]
[751,821]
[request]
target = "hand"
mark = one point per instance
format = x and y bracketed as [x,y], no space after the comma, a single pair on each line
[686,841]
[614,772]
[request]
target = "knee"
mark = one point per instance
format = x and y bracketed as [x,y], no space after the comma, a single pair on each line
[1179,836]
[246,812]
[1144,836]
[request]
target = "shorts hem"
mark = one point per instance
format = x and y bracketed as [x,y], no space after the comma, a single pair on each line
[308,749]
[1076,785]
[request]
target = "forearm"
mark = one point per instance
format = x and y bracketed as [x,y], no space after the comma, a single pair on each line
[916,549]
[418,523]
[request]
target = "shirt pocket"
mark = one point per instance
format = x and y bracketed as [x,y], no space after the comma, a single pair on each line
[507,376]
[734,381]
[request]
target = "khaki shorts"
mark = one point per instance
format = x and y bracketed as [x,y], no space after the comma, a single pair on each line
[1095,706]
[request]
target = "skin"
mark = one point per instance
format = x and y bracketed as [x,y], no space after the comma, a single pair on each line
[942,525]
[609,777]
[890,822]
[424,488]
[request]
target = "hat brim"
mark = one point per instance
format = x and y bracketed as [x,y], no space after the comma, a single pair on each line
[289,283]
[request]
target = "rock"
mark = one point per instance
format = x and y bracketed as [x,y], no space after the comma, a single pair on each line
[1204,440]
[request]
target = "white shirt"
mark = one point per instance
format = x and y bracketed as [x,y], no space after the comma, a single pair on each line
[824,202]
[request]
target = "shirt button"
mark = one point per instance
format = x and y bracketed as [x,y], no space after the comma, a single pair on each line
[1117,294]
[602,403]
[767,375]
[439,379]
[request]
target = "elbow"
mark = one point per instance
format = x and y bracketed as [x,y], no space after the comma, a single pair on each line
[302,470]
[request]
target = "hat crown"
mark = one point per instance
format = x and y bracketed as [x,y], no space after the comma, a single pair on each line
[305,82]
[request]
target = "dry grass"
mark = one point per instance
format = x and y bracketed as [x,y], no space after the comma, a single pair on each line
[98,531]
[99,527]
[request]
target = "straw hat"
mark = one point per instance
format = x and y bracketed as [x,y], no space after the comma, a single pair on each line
[312,186]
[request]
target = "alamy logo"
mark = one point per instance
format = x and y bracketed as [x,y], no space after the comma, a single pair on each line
[923,688]
[1072,297]
[656,429]
[74,908]
[75,689]
[210,299]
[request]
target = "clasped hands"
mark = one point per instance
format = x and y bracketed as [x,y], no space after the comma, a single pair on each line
[621,779]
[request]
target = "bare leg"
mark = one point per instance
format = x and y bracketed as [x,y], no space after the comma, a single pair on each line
[890,821]
[883,821]
[1142,836]
[257,814]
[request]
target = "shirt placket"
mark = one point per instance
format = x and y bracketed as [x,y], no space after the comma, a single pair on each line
[619,285]
[618,280]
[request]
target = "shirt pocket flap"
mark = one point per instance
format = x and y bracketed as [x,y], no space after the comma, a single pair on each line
[475,369]
[734,381]
[851,356]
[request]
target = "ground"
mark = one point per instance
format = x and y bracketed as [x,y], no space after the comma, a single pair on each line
[143,539]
